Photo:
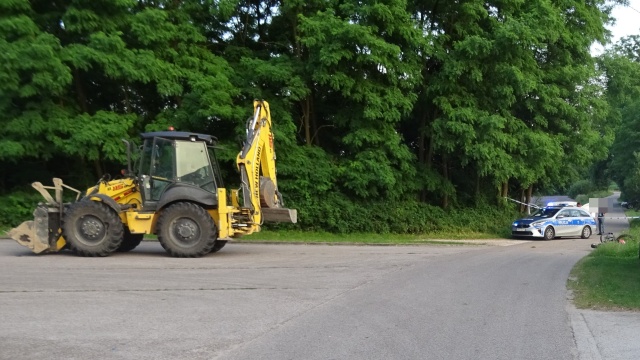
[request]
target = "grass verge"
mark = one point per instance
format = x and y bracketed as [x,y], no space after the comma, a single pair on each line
[609,277]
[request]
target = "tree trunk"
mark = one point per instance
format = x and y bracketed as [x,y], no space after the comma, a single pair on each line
[306,120]
[98,167]
[445,174]
[428,160]
[504,192]
[422,152]
[423,139]
[529,196]
[80,93]
[312,117]
[477,195]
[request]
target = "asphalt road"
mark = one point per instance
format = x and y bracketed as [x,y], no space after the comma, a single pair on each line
[291,302]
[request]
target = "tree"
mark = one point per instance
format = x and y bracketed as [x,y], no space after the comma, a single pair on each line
[621,66]
[82,76]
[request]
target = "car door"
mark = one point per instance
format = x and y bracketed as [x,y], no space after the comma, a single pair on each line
[587,219]
[563,223]
[576,223]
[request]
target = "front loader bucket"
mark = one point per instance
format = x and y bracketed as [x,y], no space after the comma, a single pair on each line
[41,234]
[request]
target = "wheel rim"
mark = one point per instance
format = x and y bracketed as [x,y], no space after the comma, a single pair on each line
[586,232]
[185,232]
[90,229]
[548,233]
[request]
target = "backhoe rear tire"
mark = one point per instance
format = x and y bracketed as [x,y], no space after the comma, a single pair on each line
[91,228]
[186,230]
[130,241]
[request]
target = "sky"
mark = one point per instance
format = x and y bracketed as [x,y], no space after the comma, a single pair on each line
[627,23]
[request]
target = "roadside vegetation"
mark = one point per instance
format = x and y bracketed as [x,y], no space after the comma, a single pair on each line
[593,187]
[609,277]
[387,115]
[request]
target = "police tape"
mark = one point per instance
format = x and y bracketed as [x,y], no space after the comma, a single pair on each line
[523,203]
[622,217]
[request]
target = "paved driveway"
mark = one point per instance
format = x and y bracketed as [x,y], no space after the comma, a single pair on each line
[291,302]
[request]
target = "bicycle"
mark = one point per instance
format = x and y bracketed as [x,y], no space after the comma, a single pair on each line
[604,236]
[608,237]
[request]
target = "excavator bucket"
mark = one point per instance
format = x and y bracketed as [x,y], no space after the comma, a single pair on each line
[42,234]
[280,215]
[271,203]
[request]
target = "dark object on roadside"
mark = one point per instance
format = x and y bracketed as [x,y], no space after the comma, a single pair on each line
[609,237]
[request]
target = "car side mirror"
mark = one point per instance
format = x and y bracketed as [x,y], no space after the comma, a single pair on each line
[560,217]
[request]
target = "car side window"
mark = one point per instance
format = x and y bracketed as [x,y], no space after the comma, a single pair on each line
[564,213]
[584,213]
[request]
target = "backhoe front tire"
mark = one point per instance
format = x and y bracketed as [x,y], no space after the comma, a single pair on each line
[130,241]
[91,228]
[186,230]
[219,245]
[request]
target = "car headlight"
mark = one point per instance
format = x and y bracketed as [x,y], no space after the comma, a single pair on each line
[536,223]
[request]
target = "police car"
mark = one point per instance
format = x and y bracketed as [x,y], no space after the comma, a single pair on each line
[555,221]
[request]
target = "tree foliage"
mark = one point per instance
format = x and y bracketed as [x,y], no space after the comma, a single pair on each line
[436,103]
[622,68]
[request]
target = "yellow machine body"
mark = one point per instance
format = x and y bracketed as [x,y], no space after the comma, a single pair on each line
[131,198]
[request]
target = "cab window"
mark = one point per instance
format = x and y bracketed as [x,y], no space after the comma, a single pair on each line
[193,165]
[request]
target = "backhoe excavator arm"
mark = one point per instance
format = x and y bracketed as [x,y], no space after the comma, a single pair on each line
[257,165]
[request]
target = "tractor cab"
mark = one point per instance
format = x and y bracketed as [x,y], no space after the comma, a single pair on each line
[178,166]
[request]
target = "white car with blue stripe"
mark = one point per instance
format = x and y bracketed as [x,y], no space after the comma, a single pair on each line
[555,221]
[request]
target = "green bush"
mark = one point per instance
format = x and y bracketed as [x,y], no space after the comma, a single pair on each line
[580,187]
[17,207]
[582,199]
[337,214]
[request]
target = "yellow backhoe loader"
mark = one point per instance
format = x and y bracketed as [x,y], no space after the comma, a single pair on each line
[176,194]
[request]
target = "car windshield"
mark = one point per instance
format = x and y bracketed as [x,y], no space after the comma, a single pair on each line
[546,212]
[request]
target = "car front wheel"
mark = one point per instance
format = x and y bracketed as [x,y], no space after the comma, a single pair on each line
[549,233]
[586,232]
